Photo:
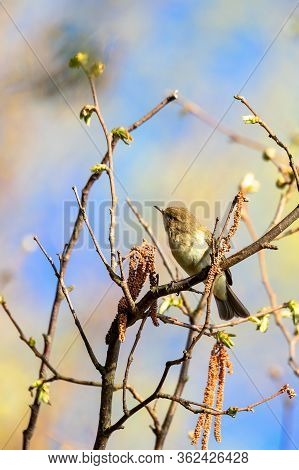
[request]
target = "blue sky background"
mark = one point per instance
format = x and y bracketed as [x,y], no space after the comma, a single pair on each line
[209,51]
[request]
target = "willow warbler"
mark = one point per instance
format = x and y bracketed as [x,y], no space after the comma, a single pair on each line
[190,244]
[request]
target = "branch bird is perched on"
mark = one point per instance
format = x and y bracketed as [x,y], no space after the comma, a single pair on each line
[190,243]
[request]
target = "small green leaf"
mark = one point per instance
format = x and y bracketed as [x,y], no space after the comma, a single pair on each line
[96,69]
[36,384]
[232,411]
[170,301]
[225,338]
[164,305]
[254,319]
[251,119]
[79,60]
[32,342]
[176,301]
[286,313]
[86,113]
[293,305]
[123,134]
[98,168]
[264,324]
[44,394]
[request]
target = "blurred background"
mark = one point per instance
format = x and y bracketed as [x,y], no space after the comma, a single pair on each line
[209,51]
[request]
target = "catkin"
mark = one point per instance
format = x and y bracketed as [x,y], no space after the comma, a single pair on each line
[219,364]
[141,267]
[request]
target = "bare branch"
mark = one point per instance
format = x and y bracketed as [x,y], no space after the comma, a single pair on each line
[272,136]
[92,356]
[287,233]
[239,321]
[272,295]
[35,407]
[198,112]
[30,342]
[262,259]
[129,362]
[284,197]
[171,97]
[196,408]
[221,326]
[85,218]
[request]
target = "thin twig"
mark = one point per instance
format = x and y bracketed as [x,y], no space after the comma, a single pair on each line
[202,408]
[171,97]
[181,382]
[239,321]
[272,295]
[129,362]
[174,321]
[93,89]
[284,197]
[82,209]
[272,136]
[292,354]
[198,112]
[148,400]
[262,260]
[284,389]
[211,327]
[29,341]
[109,139]
[91,383]
[91,354]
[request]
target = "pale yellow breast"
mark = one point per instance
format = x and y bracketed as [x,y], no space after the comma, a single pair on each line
[191,252]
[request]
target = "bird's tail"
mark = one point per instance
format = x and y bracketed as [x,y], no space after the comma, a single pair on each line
[232,306]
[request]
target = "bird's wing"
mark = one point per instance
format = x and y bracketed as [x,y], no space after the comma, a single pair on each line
[229,277]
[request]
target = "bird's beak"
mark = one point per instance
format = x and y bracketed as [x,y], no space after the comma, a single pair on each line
[158,208]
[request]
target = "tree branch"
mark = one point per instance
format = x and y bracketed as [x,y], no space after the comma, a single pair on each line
[231,411]
[129,362]
[200,113]
[272,136]
[91,354]
[35,407]
[171,97]
[250,250]
[29,341]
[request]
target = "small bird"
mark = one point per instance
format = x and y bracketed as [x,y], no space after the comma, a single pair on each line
[190,244]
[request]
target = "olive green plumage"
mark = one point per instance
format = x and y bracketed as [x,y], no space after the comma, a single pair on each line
[190,244]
